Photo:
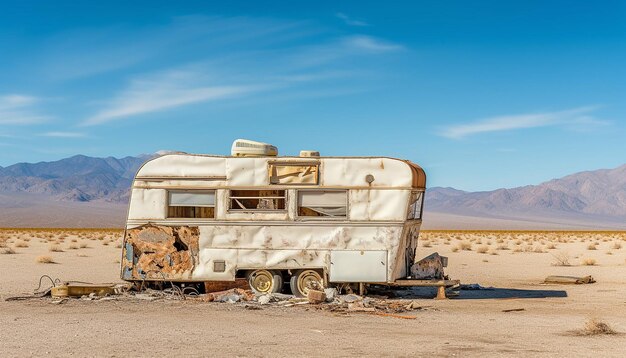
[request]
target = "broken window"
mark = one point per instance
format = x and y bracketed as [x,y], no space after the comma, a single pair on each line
[191,204]
[415,205]
[326,203]
[257,200]
[294,173]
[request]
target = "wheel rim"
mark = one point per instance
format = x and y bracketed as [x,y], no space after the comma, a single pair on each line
[308,278]
[262,281]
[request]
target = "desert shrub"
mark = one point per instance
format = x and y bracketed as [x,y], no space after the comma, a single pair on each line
[589,262]
[465,246]
[617,246]
[73,247]
[454,249]
[561,259]
[592,246]
[83,245]
[595,327]
[44,259]
[551,246]
[55,248]
[482,249]
[21,244]
[7,251]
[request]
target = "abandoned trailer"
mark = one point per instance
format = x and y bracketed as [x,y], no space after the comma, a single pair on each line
[309,221]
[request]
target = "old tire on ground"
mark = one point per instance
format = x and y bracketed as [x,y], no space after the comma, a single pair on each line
[265,281]
[302,280]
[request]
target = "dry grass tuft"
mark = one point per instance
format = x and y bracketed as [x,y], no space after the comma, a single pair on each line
[44,259]
[465,246]
[589,262]
[592,246]
[83,245]
[55,248]
[21,244]
[73,247]
[482,249]
[595,327]
[7,251]
[561,259]
[617,246]
[454,249]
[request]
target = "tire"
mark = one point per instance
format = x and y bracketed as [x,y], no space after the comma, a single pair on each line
[300,279]
[265,281]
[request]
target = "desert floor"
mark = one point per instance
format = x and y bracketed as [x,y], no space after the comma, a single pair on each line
[473,324]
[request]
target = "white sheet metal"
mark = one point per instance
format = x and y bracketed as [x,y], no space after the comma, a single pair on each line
[358,266]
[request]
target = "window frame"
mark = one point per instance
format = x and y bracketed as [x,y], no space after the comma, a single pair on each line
[409,212]
[199,191]
[333,218]
[272,180]
[285,197]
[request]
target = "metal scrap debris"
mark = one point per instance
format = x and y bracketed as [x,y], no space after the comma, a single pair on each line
[571,280]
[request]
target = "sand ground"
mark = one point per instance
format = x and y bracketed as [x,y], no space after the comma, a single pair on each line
[473,324]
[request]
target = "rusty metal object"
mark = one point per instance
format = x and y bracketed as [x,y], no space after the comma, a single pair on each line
[574,280]
[160,252]
[217,286]
[78,290]
[430,267]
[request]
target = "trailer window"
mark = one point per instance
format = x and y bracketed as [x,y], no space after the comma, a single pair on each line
[293,173]
[191,204]
[415,206]
[247,200]
[325,203]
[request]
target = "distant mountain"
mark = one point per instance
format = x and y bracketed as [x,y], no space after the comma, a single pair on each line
[79,178]
[83,191]
[589,198]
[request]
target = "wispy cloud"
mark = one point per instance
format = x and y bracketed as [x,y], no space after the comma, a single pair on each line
[162,92]
[63,134]
[573,118]
[87,51]
[17,109]
[372,44]
[350,21]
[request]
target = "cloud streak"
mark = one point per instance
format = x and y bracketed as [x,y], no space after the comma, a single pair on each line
[64,134]
[17,109]
[572,118]
[350,21]
[163,92]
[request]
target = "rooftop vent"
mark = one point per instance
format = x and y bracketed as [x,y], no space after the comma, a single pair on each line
[309,153]
[250,148]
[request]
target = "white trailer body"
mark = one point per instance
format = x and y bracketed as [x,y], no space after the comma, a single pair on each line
[198,218]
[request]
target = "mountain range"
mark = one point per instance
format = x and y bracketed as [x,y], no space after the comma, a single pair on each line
[83,191]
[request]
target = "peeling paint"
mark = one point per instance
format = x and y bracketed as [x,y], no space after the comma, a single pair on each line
[160,252]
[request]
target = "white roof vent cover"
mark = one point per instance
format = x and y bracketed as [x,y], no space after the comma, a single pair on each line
[250,148]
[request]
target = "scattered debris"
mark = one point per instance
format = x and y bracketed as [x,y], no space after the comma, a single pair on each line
[326,300]
[573,280]
[514,310]
[316,297]
[474,286]
[429,268]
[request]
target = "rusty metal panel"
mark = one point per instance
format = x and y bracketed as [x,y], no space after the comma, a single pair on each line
[358,266]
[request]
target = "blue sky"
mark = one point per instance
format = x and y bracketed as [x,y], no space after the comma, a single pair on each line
[481,94]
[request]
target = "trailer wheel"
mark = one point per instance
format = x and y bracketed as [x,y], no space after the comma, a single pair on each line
[265,281]
[303,280]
